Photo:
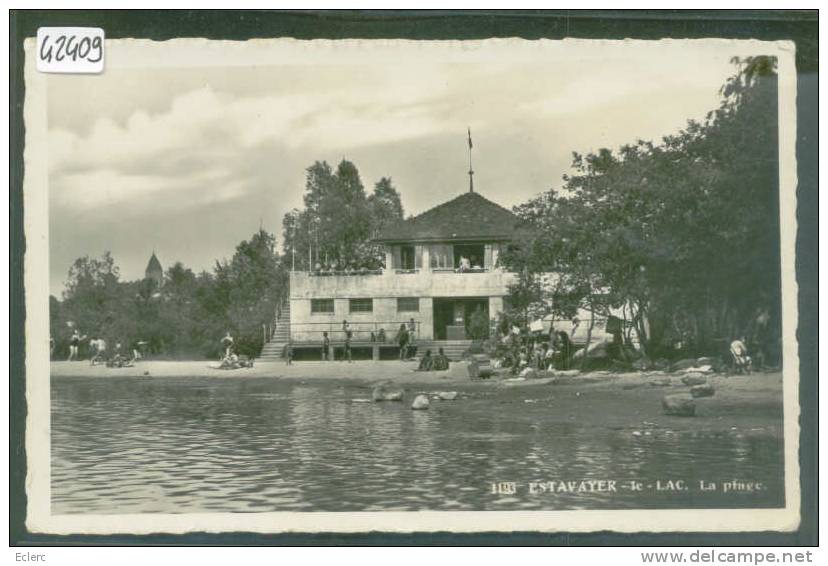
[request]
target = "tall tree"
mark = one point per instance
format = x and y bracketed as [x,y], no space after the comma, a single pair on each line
[338,221]
[683,234]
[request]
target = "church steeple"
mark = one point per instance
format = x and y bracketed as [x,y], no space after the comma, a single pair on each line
[154,270]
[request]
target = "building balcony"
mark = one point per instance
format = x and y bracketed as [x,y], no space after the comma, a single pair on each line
[401,283]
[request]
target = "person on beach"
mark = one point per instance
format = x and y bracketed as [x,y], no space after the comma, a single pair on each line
[563,350]
[137,348]
[74,344]
[427,363]
[739,353]
[347,347]
[441,361]
[402,340]
[99,346]
[412,334]
[326,346]
[118,360]
[549,357]
[227,344]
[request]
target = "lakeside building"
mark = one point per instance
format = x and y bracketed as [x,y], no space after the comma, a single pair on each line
[440,267]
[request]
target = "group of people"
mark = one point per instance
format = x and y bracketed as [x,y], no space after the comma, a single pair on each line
[231,359]
[99,350]
[440,362]
[536,350]
[405,339]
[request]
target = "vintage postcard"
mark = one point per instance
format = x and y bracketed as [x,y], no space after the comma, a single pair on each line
[410,286]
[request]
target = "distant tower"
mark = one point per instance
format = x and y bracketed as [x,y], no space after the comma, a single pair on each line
[154,271]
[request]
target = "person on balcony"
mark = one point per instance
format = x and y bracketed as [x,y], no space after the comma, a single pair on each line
[465,264]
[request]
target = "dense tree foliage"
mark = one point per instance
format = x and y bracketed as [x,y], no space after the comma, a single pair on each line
[684,234]
[339,221]
[187,316]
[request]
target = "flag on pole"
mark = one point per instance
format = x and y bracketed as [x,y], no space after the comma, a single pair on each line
[470,142]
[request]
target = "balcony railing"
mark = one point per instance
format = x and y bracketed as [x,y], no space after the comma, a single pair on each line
[374,331]
[345,272]
[397,270]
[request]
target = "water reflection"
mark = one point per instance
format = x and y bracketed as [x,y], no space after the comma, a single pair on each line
[209,445]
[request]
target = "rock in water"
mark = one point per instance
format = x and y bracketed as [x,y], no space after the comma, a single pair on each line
[703,390]
[381,394]
[420,403]
[694,379]
[447,395]
[681,405]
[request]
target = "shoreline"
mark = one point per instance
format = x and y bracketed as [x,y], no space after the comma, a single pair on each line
[768,385]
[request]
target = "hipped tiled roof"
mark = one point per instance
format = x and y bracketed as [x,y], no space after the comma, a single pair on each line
[467,217]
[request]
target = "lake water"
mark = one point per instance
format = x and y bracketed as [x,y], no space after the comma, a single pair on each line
[135,445]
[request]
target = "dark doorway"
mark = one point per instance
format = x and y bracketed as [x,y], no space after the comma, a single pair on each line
[452,316]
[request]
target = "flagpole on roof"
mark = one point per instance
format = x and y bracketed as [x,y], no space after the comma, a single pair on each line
[471,169]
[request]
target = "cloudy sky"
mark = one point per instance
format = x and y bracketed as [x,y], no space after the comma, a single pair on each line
[188,161]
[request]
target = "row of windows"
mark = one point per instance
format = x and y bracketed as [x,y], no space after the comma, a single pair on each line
[326,306]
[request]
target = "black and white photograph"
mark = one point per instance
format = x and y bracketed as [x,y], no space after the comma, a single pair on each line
[352,285]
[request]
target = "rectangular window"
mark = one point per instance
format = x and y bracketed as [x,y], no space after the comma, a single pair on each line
[408,304]
[407,257]
[361,305]
[322,306]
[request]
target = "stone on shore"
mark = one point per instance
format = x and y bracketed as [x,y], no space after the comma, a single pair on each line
[680,405]
[694,379]
[703,390]
[528,373]
[420,403]
[480,367]
[447,395]
[683,364]
[643,364]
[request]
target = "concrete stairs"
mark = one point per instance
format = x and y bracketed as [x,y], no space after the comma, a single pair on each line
[273,350]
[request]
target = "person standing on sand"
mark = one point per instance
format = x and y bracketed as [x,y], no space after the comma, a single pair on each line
[74,343]
[326,346]
[402,340]
[347,346]
[227,344]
